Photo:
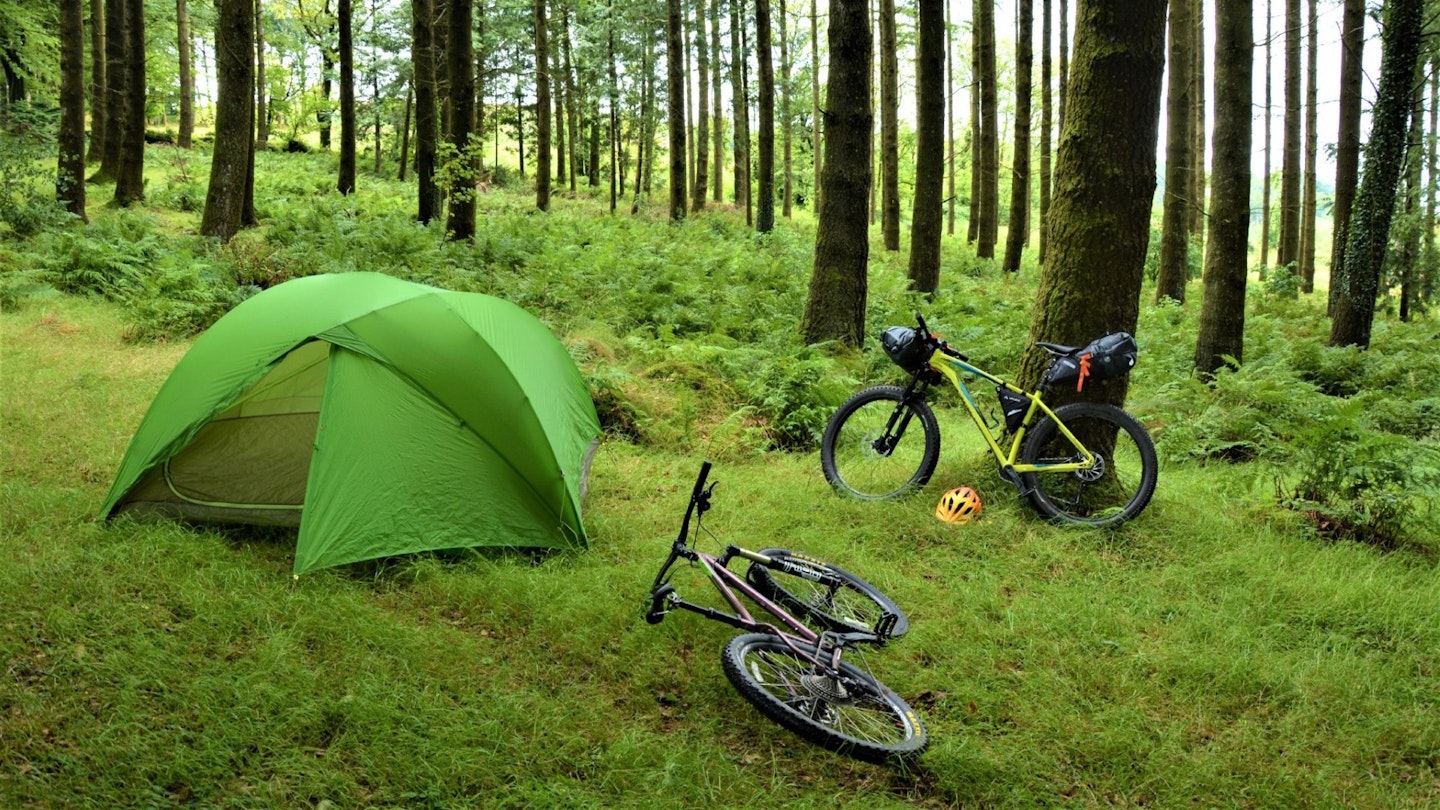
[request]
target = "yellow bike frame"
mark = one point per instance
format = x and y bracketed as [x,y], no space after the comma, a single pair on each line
[952,367]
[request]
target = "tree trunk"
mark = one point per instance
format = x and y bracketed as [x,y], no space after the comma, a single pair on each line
[1196,194]
[702,126]
[889,128]
[1406,259]
[989,133]
[130,171]
[346,183]
[765,191]
[572,107]
[542,108]
[327,67]
[1265,179]
[557,84]
[950,118]
[98,100]
[716,108]
[1384,158]
[229,166]
[1104,184]
[835,308]
[614,110]
[1019,229]
[460,65]
[815,118]
[1307,201]
[1174,269]
[117,78]
[187,77]
[262,107]
[1222,308]
[925,218]
[1347,143]
[1047,127]
[70,167]
[1432,165]
[675,100]
[740,104]
[1288,252]
[977,190]
[422,54]
[787,190]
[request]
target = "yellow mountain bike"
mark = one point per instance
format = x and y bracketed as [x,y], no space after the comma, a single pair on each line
[1085,462]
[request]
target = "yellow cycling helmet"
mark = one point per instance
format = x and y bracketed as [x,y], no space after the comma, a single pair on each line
[958,505]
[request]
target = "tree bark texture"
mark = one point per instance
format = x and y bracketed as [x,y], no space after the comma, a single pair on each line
[1174,270]
[787,190]
[116,93]
[422,54]
[1347,143]
[229,166]
[542,108]
[702,109]
[70,167]
[1354,312]
[130,171]
[716,108]
[1104,184]
[977,190]
[1227,245]
[1288,252]
[815,119]
[1307,190]
[1047,125]
[98,100]
[675,98]
[187,74]
[262,106]
[460,67]
[989,133]
[765,139]
[1196,194]
[835,307]
[889,128]
[1019,230]
[572,107]
[928,212]
[346,183]
[1266,180]
[740,104]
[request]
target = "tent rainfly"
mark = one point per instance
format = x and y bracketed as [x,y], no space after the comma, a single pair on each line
[380,416]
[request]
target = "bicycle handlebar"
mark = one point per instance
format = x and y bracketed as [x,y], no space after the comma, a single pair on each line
[935,340]
[699,497]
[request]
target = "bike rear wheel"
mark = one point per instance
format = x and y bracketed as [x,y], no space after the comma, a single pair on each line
[851,713]
[879,446]
[1115,490]
[846,604]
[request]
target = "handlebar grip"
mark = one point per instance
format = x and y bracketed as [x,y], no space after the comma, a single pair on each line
[920,319]
[700,480]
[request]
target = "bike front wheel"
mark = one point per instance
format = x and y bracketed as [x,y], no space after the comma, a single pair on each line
[847,712]
[828,594]
[879,445]
[1119,485]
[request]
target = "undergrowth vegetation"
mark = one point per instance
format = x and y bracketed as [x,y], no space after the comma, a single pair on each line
[1165,662]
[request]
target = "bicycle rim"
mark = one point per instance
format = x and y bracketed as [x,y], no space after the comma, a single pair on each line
[853,714]
[1115,489]
[856,458]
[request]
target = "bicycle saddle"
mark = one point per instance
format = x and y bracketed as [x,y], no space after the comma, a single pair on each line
[1057,349]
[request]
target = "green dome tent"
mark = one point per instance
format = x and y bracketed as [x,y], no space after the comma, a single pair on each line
[379,416]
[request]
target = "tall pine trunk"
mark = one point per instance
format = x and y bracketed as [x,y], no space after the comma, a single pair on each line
[346,182]
[835,306]
[1179,144]
[989,146]
[542,108]
[1019,229]
[1347,143]
[925,219]
[97,80]
[422,54]
[1288,252]
[130,171]
[1307,199]
[1227,245]
[231,160]
[1266,181]
[765,185]
[262,107]
[1354,311]
[702,112]
[675,101]
[70,166]
[1104,184]
[187,74]
[889,128]
[1047,126]
[460,66]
